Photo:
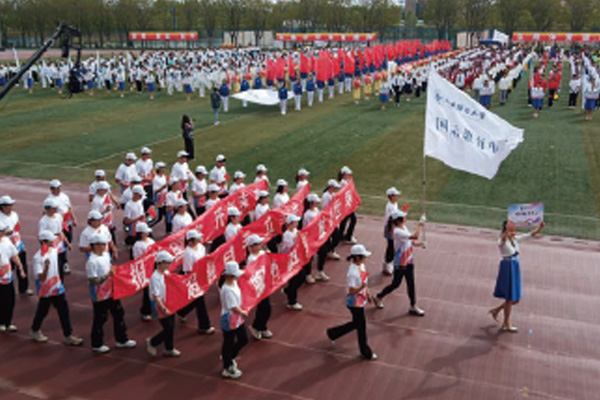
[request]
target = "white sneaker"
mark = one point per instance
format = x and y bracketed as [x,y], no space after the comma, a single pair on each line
[334,255]
[414,310]
[208,331]
[295,307]
[173,353]
[266,334]
[377,301]
[73,340]
[231,373]
[11,328]
[352,240]
[67,269]
[310,279]
[217,123]
[146,318]
[255,334]
[322,276]
[181,318]
[2,328]
[102,349]
[130,344]
[38,336]
[373,357]
[151,349]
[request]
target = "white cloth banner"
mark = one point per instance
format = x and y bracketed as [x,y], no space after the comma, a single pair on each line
[265,97]
[462,133]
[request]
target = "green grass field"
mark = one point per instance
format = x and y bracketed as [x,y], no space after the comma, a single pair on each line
[45,136]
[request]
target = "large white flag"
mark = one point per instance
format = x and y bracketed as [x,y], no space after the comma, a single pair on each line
[462,133]
[265,97]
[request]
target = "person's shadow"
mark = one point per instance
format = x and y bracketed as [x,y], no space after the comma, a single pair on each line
[475,346]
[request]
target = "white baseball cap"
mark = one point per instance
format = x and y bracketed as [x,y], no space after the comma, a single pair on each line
[98,238]
[213,188]
[160,164]
[302,171]
[182,153]
[201,169]
[164,256]
[292,218]
[95,215]
[239,175]
[397,214]
[345,170]
[173,180]
[46,236]
[180,203]
[392,192]
[131,156]
[193,234]
[359,250]
[146,150]
[261,168]
[50,203]
[55,184]
[138,190]
[102,185]
[6,201]
[232,268]
[254,239]
[220,158]
[136,178]
[142,227]
[233,212]
[281,182]
[100,173]
[334,183]
[263,193]
[313,198]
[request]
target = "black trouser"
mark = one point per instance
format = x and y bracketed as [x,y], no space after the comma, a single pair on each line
[108,84]
[389,251]
[7,303]
[23,283]
[360,324]
[138,85]
[347,235]
[216,243]
[335,239]
[551,94]
[233,342]
[60,303]
[573,99]
[166,335]
[62,260]
[418,91]
[200,306]
[397,93]
[200,210]
[149,197]
[189,146]
[399,273]
[272,245]
[161,214]
[146,308]
[101,310]
[263,313]
[293,285]
[322,256]
[528,96]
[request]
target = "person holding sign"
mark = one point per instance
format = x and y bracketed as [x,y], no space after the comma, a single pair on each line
[357,298]
[508,283]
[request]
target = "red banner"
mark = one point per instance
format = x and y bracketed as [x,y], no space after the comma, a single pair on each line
[182,289]
[152,36]
[325,37]
[555,37]
[135,275]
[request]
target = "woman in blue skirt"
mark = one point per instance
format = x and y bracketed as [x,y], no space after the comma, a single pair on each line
[508,283]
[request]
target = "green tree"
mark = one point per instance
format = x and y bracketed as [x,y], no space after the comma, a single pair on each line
[233,15]
[510,12]
[209,10]
[257,17]
[476,14]
[544,13]
[579,13]
[443,14]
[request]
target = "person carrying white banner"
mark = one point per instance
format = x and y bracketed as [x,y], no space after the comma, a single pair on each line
[462,133]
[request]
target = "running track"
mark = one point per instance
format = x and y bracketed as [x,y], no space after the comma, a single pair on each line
[454,352]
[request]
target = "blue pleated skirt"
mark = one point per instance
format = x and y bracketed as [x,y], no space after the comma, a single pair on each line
[508,283]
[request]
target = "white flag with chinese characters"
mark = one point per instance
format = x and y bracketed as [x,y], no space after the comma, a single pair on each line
[462,133]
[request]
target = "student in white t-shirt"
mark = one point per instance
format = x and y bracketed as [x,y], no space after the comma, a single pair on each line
[126,171]
[51,291]
[403,260]
[158,291]
[281,196]
[140,247]
[332,188]
[8,253]
[259,329]
[301,178]
[173,195]
[52,221]
[232,320]
[95,227]
[219,176]
[134,213]
[238,182]
[288,240]
[345,177]
[357,297]
[199,190]
[213,196]
[195,251]
[261,173]
[182,217]
[262,205]
[233,226]
[11,219]
[391,206]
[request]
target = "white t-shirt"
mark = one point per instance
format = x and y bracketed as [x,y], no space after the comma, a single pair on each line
[141,246]
[144,168]
[86,234]
[218,175]
[403,244]
[231,230]
[280,199]
[260,210]
[133,209]
[508,249]
[252,257]
[52,286]
[64,203]
[199,186]
[125,173]
[52,224]
[235,187]
[97,266]
[6,275]
[309,216]
[157,183]
[288,240]
[210,203]
[389,209]
[190,256]
[180,221]
[11,221]
[301,184]
[326,199]
[181,171]
[172,198]
[231,297]
[157,286]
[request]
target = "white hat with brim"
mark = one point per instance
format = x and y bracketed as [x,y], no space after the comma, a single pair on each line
[138,190]
[201,169]
[55,184]
[359,250]
[160,164]
[46,236]
[131,156]
[102,186]
[221,158]
[254,239]
[281,182]
[239,175]
[333,183]
[164,256]
[50,203]
[302,171]
[142,227]
[193,234]
[6,201]
[213,188]
[233,212]
[180,203]
[233,269]
[292,218]
[263,193]
[397,214]
[313,198]
[261,168]
[345,170]
[94,215]
[392,192]
[182,153]
[146,150]
[98,239]
[100,173]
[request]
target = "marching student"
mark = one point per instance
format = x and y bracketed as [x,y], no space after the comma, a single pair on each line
[103,204]
[145,169]
[8,253]
[262,205]
[384,94]
[281,196]
[574,88]
[166,318]
[261,173]
[213,196]
[368,87]
[160,190]
[99,271]
[219,176]
[199,190]
[332,188]
[126,171]
[9,217]
[182,217]
[232,320]
[345,176]
[180,171]
[391,206]
[51,291]
[259,329]
[134,213]
[171,198]
[233,226]
[356,89]
[312,212]
[121,82]
[95,227]
[288,240]
[310,91]
[537,98]
[282,93]
[508,282]
[151,83]
[140,247]
[238,182]
[591,93]
[52,221]
[224,93]
[357,297]
[194,251]
[297,88]
[301,178]
[403,260]
[68,214]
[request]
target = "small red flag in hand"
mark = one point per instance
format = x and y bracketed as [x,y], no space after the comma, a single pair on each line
[405,207]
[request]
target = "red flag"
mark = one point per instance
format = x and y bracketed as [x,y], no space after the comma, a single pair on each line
[66,220]
[304,64]
[291,67]
[405,207]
